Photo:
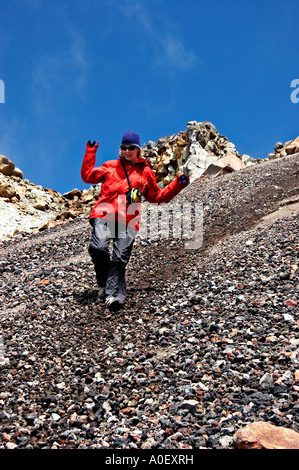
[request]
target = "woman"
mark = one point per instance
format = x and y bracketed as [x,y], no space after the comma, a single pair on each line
[116,215]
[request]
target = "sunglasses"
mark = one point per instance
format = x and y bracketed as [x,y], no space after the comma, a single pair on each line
[129,147]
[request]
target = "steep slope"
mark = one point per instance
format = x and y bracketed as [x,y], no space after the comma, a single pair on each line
[207,342]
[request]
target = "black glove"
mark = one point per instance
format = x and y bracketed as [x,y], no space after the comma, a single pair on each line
[183,179]
[91,143]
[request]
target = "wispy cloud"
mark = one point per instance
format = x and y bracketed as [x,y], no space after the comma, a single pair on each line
[56,73]
[176,53]
[78,60]
[169,49]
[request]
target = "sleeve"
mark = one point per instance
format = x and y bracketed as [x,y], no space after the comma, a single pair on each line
[154,194]
[89,173]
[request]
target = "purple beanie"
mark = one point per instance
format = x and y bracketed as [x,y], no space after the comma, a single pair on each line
[131,138]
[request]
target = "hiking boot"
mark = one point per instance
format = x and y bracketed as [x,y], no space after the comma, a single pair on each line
[112,303]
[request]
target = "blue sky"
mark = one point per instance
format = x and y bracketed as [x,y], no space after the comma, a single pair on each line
[76,70]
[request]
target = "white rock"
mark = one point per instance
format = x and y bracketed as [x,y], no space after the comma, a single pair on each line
[55,416]
[266,380]
[288,317]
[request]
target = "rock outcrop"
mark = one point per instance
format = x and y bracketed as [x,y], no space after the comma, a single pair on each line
[193,151]
[7,167]
[26,207]
[282,150]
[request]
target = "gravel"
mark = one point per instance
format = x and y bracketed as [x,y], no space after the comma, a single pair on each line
[207,342]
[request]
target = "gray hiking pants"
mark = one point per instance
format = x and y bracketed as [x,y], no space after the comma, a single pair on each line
[110,268]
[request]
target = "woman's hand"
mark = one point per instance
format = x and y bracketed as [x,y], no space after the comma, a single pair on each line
[92,143]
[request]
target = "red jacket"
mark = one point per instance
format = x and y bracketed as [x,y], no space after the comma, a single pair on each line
[112,203]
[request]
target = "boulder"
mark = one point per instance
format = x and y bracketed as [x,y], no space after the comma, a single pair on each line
[18,173]
[262,435]
[6,166]
[6,190]
[40,204]
[72,194]
[224,165]
[198,161]
[292,147]
[278,146]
